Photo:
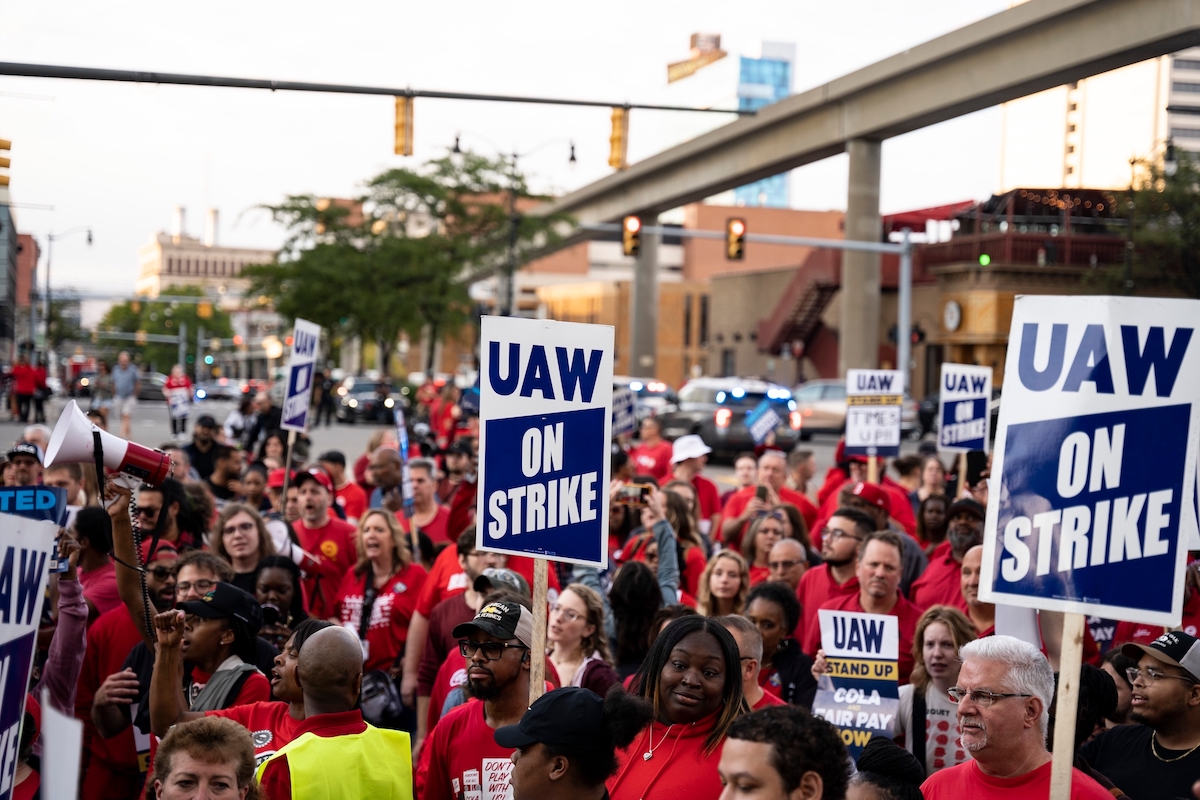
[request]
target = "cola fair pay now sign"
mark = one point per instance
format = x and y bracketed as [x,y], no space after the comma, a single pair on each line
[1090,503]
[545,425]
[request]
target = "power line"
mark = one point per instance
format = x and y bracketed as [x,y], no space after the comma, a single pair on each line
[132,76]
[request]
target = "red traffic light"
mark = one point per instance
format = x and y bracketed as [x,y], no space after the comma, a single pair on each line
[633,224]
[737,227]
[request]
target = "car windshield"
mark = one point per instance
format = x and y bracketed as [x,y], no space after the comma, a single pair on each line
[732,398]
[365,386]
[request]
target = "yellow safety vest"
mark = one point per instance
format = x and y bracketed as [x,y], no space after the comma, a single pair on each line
[375,764]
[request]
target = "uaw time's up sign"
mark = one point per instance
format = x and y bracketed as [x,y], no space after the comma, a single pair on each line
[545,420]
[874,398]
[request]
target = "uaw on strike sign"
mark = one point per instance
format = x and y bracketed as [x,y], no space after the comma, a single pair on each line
[545,420]
[1095,458]
[963,414]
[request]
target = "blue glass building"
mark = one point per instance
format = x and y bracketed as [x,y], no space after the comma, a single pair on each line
[762,81]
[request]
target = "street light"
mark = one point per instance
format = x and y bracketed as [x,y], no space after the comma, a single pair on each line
[1170,162]
[51,238]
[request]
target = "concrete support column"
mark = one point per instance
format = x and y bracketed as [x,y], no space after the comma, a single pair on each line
[643,308]
[858,333]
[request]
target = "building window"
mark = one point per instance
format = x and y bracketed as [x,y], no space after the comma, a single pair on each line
[170,265]
[687,321]
[1070,170]
[1185,87]
[702,333]
[1187,63]
[1185,133]
[728,362]
[1070,148]
[1070,129]
[1073,107]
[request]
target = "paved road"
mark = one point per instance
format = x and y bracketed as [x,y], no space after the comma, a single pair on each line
[152,427]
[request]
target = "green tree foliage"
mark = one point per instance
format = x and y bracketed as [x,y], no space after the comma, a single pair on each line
[405,262]
[155,317]
[64,322]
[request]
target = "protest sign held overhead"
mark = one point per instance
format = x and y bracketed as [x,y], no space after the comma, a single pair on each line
[624,412]
[874,398]
[1095,459]
[963,414]
[762,420]
[544,430]
[306,340]
[859,694]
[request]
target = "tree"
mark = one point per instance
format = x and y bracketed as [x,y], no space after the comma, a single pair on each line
[399,258]
[64,322]
[163,318]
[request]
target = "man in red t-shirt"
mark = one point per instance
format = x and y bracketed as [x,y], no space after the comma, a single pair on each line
[837,576]
[744,505]
[688,458]
[330,540]
[346,493]
[461,757]
[430,518]
[879,564]
[941,582]
[750,648]
[653,454]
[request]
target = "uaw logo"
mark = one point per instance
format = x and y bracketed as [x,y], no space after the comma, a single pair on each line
[261,738]
[329,549]
[495,611]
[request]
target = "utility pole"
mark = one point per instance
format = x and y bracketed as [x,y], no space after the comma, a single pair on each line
[643,301]
[199,351]
[507,295]
[181,358]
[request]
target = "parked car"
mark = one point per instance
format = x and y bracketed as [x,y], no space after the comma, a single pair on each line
[150,387]
[716,409]
[361,399]
[219,389]
[822,407]
[650,396]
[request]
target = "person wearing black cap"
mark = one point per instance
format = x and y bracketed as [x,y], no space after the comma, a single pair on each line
[348,495]
[1159,758]
[200,449]
[940,583]
[886,771]
[26,461]
[565,745]
[461,754]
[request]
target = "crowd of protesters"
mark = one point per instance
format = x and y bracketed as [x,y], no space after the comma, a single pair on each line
[297,631]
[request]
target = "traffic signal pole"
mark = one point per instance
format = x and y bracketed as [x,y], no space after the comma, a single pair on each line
[904,308]
[643,327]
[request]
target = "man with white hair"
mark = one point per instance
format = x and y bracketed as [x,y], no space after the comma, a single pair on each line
[741,509]
[39,435]
[1004,692]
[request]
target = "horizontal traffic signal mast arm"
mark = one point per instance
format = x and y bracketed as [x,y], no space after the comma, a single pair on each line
[1028,48]
[133,76]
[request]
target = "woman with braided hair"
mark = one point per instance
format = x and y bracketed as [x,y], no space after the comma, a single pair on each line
[886,771]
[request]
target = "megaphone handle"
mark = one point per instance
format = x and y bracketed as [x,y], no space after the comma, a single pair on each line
[134,521]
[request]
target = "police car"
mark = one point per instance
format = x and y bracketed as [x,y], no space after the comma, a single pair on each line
[716,410]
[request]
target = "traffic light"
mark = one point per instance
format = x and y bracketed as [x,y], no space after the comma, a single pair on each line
[631,236]
[984,259]
[735,239]
[5,146]
[208,360]
[204,310]
[619,140]
[404,126]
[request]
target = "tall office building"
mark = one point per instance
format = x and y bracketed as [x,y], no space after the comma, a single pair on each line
[762,81]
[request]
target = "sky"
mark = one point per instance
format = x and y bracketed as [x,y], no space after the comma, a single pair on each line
[119,157]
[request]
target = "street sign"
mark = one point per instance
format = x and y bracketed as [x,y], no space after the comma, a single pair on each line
[761,420]
[1094,471]
[306,340]
[26,548]
[963,412]
[860,693]
[873,401]
[544,431]
[624,412]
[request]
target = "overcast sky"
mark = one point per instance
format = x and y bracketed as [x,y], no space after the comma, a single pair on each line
[119,157]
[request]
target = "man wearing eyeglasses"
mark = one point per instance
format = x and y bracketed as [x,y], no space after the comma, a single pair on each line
[1159,758]
[461,757]
[837,577]
[1003,693]
[787,562]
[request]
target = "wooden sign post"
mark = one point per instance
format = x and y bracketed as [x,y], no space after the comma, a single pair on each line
[537,666]
[1069,664]
[872,470]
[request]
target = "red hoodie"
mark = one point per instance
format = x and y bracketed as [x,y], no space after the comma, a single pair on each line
[678,770]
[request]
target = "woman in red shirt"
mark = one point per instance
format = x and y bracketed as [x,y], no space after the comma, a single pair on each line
[390,582]
[24,380]
[756,545]
[178,391]
[693,678]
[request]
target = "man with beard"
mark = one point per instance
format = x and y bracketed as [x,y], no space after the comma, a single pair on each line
[941,582]
[106,691]
[161,509]
[225,482]
[461,756]
[840,541]
[1004,692]
[200,449]
[26,461]
[1160,757]
[878,574]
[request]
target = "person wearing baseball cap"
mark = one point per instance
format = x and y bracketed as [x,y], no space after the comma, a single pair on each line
[493,578]
[26,461]
[941,582]
[1160,757]
[566,744]
[323,535]
[689,454]
[200,448]
[496,645]
[873,499]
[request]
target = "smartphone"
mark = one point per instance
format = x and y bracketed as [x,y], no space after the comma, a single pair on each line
[271,615]
[976,463]
[634,494]
[761,493]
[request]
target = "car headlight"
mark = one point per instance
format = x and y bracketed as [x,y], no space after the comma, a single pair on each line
[83,381]
[352,403]
[388,403]
[201,394]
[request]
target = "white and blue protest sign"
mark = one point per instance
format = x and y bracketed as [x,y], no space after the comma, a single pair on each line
[406,486]
[874,398]
[859,694]
[47,503]
[1094,470]
[762,420]
[306,341]
[544,431]
[963,416]
[469,402]
[624,412]
[26,548]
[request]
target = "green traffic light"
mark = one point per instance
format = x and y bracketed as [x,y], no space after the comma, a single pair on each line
[984,259]
[208,360]
[191,359]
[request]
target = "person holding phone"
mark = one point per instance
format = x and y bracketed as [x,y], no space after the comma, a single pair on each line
[754,501]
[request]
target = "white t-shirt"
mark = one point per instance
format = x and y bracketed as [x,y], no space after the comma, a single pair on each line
[942,746]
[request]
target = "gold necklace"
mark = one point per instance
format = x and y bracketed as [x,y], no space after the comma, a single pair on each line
[1154,750]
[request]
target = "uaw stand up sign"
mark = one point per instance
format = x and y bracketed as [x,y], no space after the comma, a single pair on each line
[1091,502]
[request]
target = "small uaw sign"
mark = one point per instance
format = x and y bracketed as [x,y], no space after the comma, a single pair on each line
[762,420]
[860,693]
[544,431]
[306,339]
[1095,461]
[624,412]
[963,412]
[873,401]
